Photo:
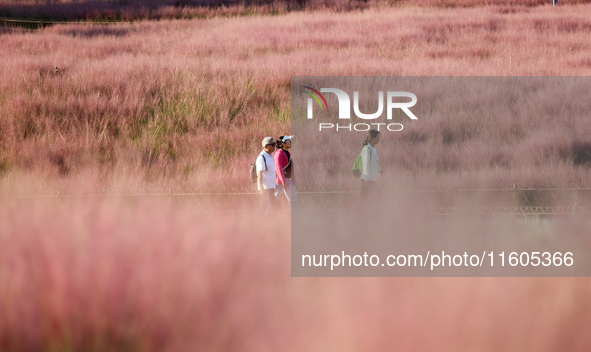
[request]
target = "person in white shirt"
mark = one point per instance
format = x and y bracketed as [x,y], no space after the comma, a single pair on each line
[266,175]
[370,165]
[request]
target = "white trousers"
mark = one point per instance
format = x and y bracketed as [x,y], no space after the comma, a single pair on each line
[289,190]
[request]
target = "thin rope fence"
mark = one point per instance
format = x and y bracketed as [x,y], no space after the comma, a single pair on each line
[564,199]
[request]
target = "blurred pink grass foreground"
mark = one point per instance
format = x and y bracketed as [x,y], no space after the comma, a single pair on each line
[106,275]
[114,275]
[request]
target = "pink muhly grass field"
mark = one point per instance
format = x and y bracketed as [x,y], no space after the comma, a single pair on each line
[170,101]
[472,132]
[185,104]
[109,275]
[118,275]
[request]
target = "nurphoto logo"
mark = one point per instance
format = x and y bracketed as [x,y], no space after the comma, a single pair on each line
[345,109]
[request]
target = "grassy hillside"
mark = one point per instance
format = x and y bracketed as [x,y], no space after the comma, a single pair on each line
[189,101]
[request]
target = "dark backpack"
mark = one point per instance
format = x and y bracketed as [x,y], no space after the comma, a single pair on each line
[253,169]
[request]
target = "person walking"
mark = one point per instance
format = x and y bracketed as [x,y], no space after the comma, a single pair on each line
[284,170]
[266,174]
[370,163]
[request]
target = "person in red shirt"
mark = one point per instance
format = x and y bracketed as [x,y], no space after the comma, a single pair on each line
[284,170]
